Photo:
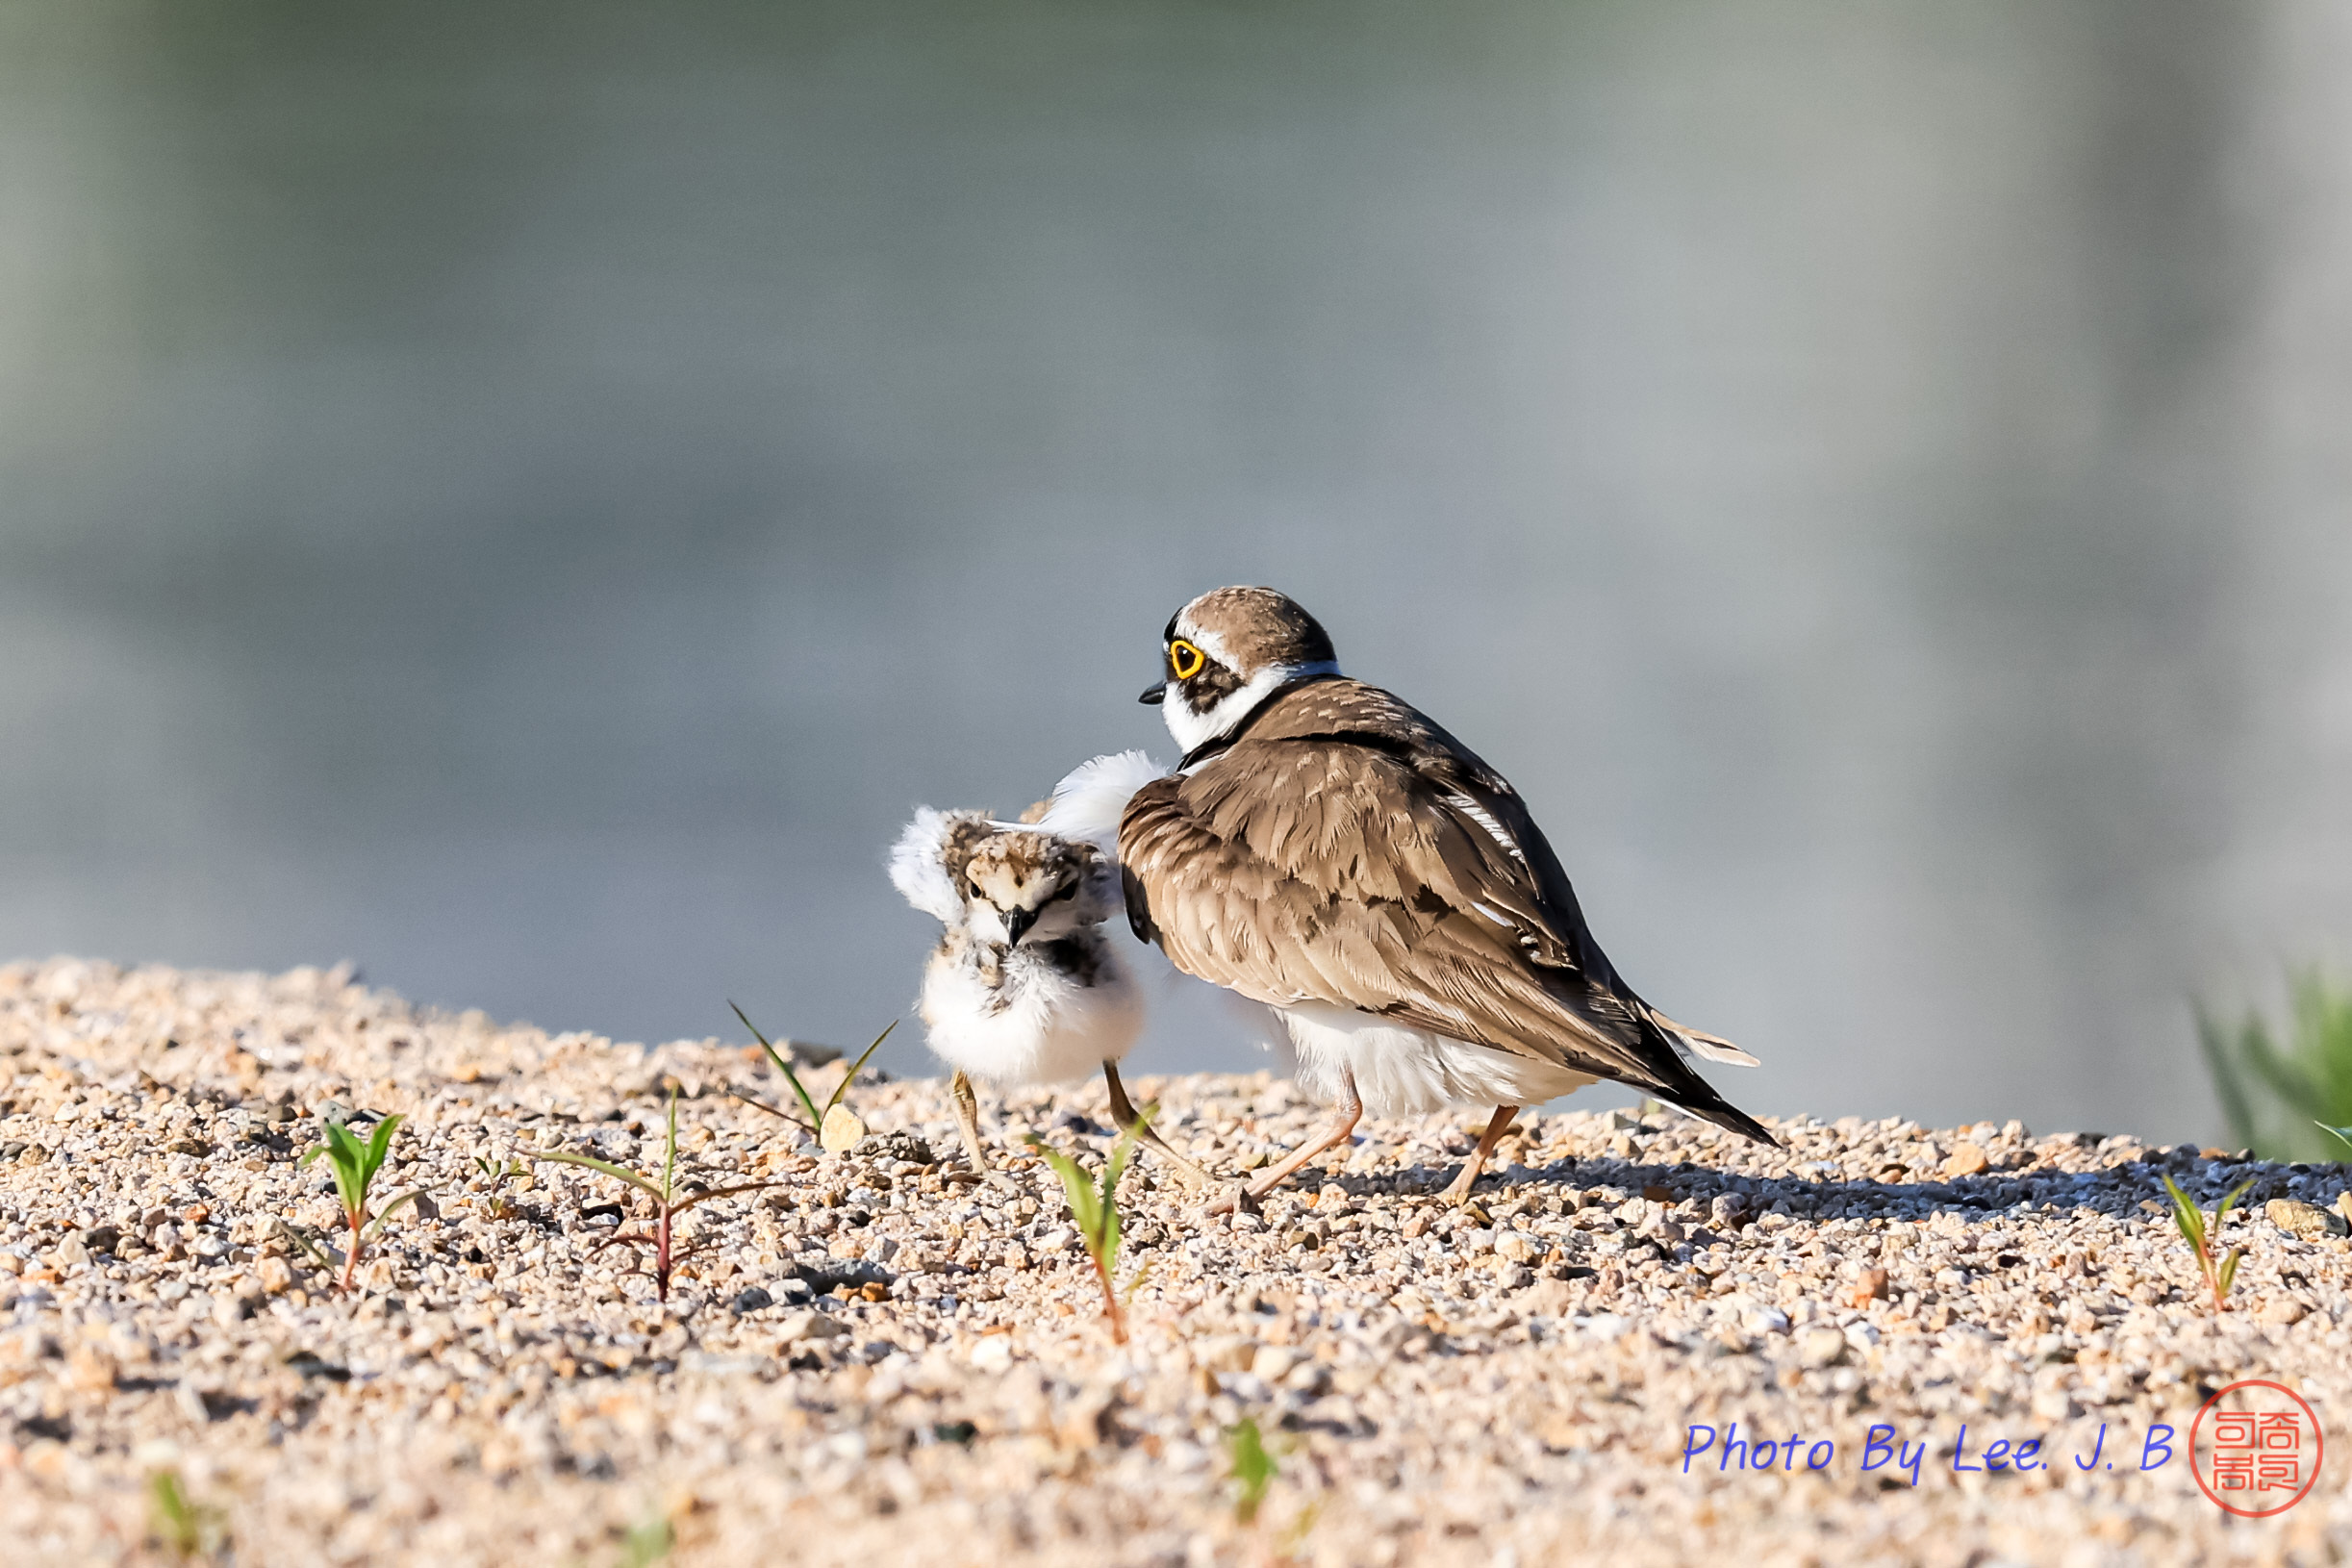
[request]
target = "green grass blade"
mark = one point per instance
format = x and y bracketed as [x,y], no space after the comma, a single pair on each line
[344,1153]
[763,1106]
[1106,1248]
[172,1521]
[2229,1269]
[816,1117]
[2229,1074]
[2284,1075]
[1124,1148]
[397,1203]
[2185,1215]
[856,1068]
[704,1196]
[617,1172]
[1085,1210]
[379,1145]
[2343,1135]
[1078,1187]
[2229,1202]
[318,1254]
[1253,1469]
[669,1152]
[647,1542]
[1106,1240]
[2302,1067]
[2323,1039]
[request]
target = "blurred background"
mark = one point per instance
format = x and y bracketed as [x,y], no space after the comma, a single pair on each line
[527,497]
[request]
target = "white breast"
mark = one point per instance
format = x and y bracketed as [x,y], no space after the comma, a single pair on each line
[1404,1072]
[1036,1025]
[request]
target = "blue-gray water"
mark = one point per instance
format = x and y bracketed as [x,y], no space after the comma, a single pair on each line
[526,497]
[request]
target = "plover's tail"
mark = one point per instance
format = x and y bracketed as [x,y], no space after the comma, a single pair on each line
[1677,1083]
[1699,1043]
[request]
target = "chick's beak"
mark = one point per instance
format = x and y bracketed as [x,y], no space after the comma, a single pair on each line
[1016,922]
[1154,693]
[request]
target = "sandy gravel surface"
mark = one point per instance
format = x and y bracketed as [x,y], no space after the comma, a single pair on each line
[878,1361]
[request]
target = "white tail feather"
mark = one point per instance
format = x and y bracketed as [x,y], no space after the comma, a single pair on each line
[1714,1047]
[1087,804]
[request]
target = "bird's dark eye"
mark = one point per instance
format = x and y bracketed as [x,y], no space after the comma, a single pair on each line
[1068,890]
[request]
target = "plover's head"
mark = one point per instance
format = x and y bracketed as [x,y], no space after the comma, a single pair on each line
[1033,887]
[1227,651]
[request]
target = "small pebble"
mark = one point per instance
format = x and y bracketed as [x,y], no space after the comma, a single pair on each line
[841,1130]
[1965,1160]
[808,1326]
[2303,1219]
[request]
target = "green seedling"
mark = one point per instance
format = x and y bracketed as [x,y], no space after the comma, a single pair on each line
[355,1165]
[2272,1077]
[1095,1211]
[180,1527]
[836,1128]
[1253,1470]
[495,1176]
[667,1202]
[2219,1269]
[647,1542]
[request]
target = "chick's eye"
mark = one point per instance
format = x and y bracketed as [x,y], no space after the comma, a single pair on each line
[1185,659]
[1068,890]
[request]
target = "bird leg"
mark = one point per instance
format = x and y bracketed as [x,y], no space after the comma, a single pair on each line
[968,1119]
[1344,1116]
[1458,1193]
[1128,1119]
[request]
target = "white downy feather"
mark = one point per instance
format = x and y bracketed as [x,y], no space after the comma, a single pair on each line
[1088,803]
[1036,1023]
[1405,1071]
[919,869]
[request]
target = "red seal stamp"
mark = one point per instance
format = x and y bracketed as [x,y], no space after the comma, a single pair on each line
[2255,1448]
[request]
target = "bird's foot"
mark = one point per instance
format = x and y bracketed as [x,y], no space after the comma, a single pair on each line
[1191,1173]
[967,1107]
[1231,1197]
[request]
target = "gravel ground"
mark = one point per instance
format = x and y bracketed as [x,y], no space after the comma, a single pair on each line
[882,1359]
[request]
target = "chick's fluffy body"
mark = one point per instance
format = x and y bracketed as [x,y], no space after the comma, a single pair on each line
[1025,986]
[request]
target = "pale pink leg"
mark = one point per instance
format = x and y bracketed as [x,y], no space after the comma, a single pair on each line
[1458,1193]
[1344,1116]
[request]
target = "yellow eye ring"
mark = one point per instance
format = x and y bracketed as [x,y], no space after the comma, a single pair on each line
[1185,659]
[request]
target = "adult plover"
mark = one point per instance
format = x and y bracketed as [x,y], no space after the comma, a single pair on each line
[1025,986]
[1329,852]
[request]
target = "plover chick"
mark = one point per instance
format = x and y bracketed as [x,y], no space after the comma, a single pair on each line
[1025,987]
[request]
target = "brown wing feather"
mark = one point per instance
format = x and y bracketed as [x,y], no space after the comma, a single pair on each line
[1335,854]
[1294,870]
